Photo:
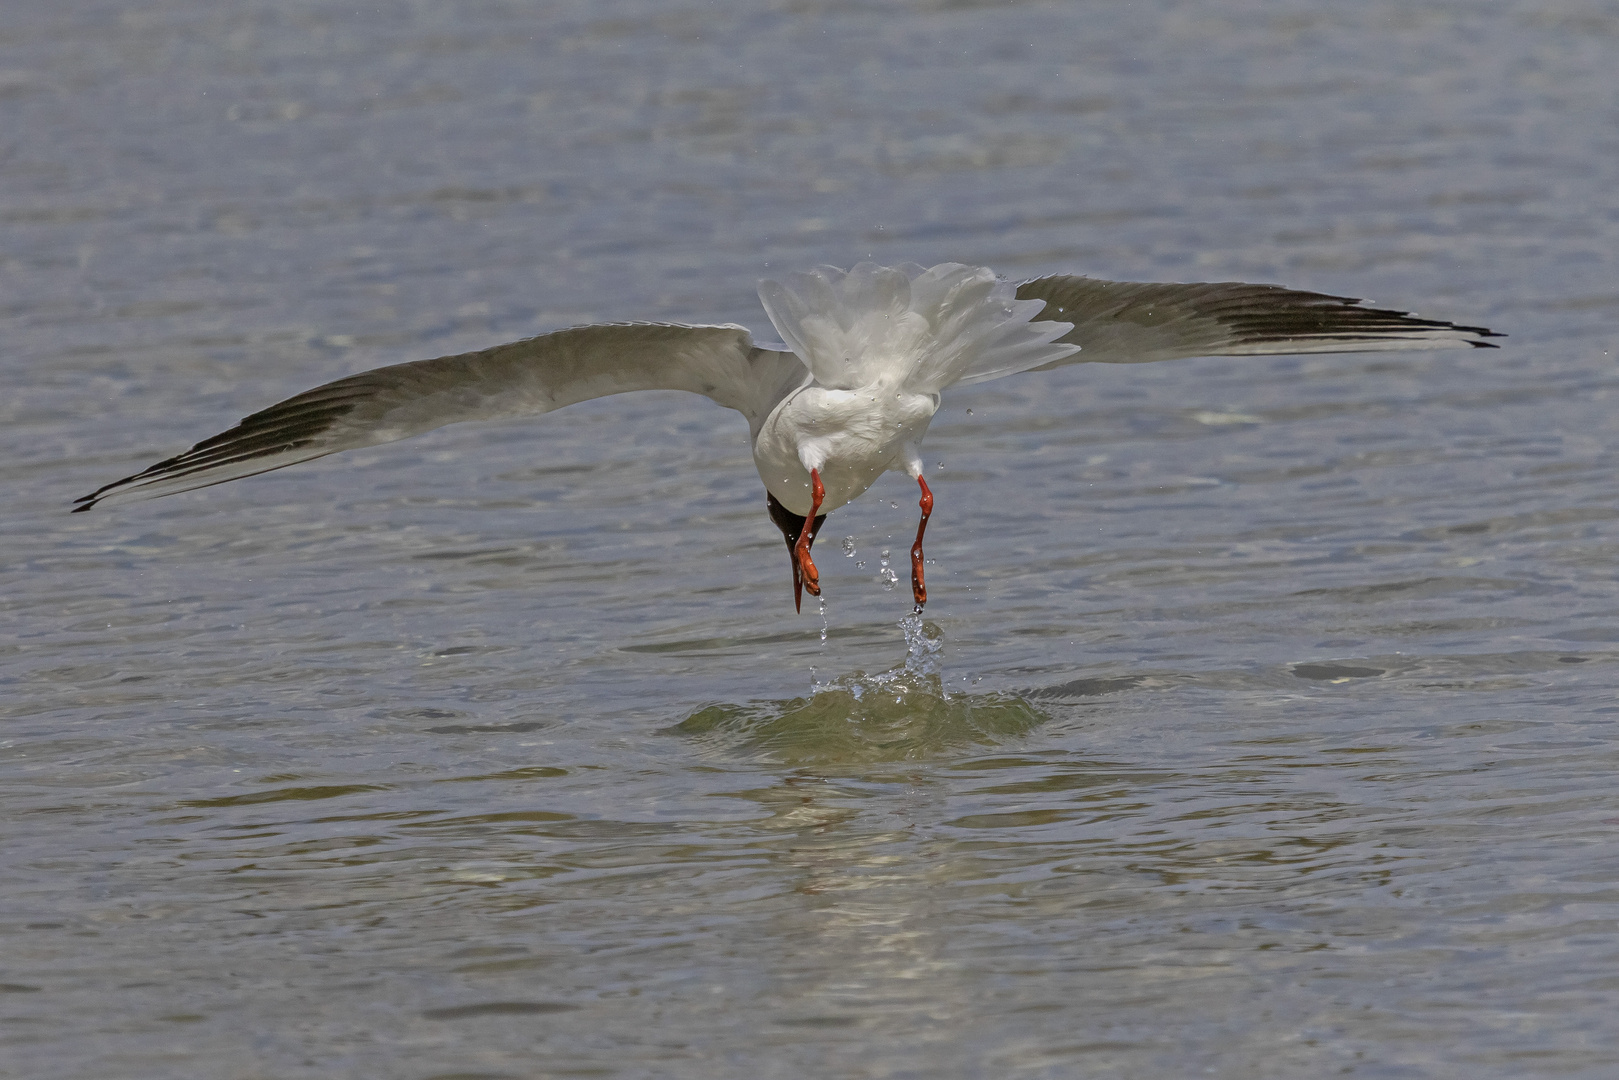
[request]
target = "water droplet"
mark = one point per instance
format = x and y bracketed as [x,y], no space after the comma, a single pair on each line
[969,412]
[888,578]
[848,547]
[922,645]
[892,505]
[939,465]
[861,565]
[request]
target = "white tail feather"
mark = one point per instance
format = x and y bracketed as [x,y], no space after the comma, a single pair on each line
[918,328]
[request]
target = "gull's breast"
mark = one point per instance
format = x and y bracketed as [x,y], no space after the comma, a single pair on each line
[851,436]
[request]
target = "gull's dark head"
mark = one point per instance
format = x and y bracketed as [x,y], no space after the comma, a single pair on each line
[792,526]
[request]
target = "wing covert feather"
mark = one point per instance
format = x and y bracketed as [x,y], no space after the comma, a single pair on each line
[523,378]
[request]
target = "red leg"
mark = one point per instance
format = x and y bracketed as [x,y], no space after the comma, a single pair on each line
[918,589]
[804,572]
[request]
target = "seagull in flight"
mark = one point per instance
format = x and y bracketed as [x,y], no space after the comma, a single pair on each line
[845,396]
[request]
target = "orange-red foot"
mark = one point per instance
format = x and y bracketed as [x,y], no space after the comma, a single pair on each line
[805,576]
[919,589]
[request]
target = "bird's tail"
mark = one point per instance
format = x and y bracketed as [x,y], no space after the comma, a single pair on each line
[922,329]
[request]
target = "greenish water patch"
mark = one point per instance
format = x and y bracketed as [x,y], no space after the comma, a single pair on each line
[855,721]
[896,715]
[286,794]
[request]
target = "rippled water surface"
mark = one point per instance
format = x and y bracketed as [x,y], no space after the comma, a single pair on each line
[1263,721]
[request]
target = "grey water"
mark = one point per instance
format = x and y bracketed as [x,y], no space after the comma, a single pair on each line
[1264,719]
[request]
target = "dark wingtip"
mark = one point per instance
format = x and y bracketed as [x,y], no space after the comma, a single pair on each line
[86,502]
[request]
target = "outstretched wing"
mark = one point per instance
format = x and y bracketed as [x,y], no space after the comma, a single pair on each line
[524,378]
[1131,322]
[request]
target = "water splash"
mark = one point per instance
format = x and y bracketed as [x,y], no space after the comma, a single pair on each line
[825,626]
[886,575]
[895,715]
[923,644]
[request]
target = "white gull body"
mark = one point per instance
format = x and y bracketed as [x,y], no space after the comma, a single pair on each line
[868,354]
[881,345]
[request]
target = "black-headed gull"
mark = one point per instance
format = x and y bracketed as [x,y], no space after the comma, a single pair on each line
[867,354]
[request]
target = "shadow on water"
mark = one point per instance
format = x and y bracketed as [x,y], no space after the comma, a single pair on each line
[897,715]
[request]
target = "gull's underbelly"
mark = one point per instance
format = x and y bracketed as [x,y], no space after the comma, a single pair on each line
[851,436]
